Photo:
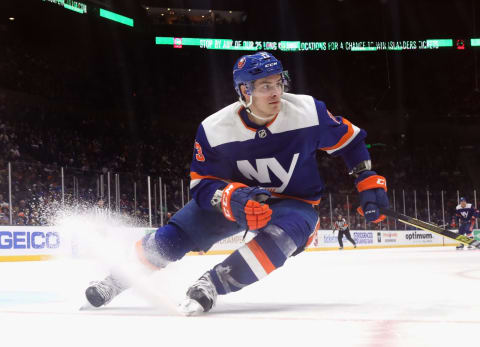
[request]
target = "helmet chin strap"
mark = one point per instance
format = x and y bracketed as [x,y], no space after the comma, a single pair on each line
[247,108]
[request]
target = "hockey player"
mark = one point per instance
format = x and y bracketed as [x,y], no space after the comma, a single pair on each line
[342,226]
[254,168]
[465,215]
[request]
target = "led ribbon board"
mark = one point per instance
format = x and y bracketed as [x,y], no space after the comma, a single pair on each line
[116,17]
[75,6]
[298,46]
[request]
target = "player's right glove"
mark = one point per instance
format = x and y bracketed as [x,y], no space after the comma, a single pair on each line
[242,204]
[373,195]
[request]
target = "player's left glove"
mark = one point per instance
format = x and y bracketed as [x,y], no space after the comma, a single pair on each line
[373,195]
[243,204]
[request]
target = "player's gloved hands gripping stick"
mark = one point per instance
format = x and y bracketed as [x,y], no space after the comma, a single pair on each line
[242,204]
[373,195]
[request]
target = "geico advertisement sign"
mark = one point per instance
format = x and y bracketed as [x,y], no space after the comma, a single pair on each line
[417,236]
[29,240]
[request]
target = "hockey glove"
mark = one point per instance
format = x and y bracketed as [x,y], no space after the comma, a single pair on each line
[373,195]
[242,204]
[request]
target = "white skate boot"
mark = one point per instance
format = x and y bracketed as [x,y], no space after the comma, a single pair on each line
[100,293]
[201,297]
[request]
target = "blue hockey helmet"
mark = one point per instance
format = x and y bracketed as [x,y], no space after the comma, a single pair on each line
[463,199]
[255,66]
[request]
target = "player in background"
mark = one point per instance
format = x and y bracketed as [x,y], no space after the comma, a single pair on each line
[342,226]
[254,168]
[465,215]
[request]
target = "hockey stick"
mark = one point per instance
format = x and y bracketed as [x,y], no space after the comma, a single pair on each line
[433,228]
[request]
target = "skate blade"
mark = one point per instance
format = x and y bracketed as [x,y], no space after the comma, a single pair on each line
[190,307]
[88,307]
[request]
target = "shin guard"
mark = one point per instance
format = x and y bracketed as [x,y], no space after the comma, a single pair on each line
[166,245]
[266,252]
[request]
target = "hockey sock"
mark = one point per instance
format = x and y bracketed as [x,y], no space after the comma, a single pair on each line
[266,252]
[169,243]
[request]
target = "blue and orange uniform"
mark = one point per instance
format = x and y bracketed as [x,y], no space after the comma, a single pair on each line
[465,216]
[264,178]
[279,157]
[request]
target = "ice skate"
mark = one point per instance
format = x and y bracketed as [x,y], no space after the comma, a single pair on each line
[201,297]
[340,248]
[100,293]
[460,246]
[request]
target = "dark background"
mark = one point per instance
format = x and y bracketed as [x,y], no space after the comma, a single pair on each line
[62,72]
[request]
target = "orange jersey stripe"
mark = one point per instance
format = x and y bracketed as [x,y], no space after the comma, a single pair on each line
[250,128]
[243,122]
[196,176]
[283,196]
[344,138]
[261,256]
[273,120]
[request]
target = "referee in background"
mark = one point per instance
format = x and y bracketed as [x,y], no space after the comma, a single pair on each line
[342,226]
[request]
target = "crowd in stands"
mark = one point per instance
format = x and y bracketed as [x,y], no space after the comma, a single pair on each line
[37,153]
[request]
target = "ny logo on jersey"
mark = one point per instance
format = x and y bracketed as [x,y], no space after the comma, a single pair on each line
[261,174]
[464,214]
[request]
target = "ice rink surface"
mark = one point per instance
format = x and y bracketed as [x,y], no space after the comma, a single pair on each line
[377,297]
